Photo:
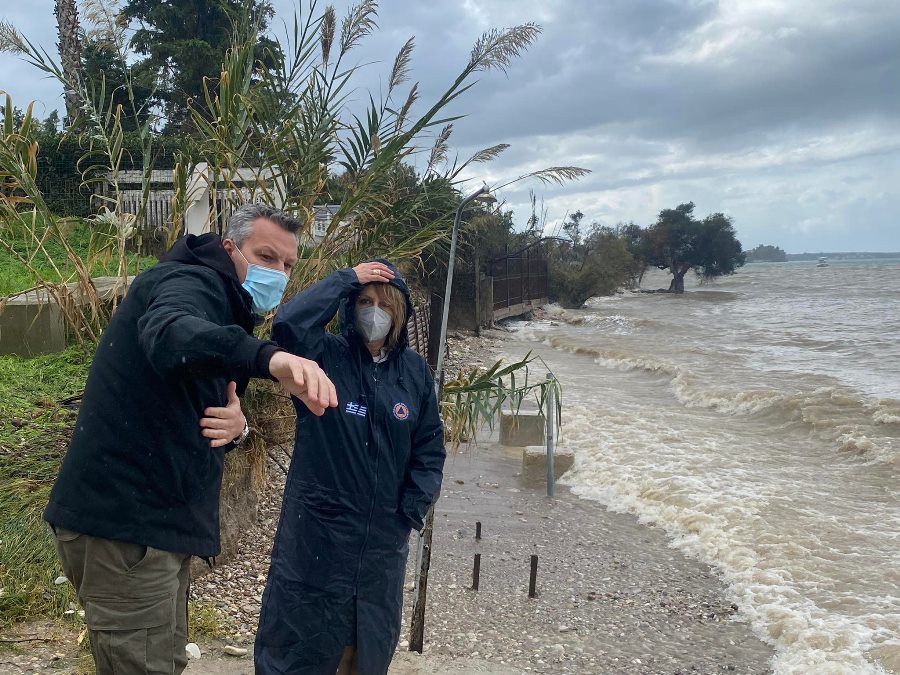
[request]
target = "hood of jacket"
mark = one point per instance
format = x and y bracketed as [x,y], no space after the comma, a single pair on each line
[347,311]
[207,250]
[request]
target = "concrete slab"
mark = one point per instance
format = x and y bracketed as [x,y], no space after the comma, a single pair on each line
[29,327]
[522,428]
[32,323]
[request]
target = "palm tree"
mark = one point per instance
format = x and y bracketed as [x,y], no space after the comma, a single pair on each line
[66,12]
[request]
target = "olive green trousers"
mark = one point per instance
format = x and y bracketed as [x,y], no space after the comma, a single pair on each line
[134,599]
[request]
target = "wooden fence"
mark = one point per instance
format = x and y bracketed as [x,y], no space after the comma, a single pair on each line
[206,209]
[158,214]
[159,211]
[417,328]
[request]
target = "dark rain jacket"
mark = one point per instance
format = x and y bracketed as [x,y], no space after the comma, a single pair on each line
[362,476]
[138,468]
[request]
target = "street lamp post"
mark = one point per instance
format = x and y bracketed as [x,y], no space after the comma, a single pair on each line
[482,194]
[423,550]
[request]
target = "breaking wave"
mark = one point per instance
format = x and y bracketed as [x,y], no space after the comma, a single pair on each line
[760,426]
[847,418]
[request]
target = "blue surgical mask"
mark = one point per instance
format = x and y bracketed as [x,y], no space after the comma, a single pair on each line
[265,285]
[373,323]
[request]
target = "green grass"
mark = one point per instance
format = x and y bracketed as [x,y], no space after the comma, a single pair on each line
[34,433]
[15,277]
[206,620]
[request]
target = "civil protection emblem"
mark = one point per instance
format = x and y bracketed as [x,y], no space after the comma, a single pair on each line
[401,411]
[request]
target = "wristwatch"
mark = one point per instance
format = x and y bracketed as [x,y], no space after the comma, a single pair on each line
[246,432]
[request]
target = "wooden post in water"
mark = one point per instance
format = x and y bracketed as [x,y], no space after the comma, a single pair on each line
[417,623]
[532,581]
[476,571]
[478,529]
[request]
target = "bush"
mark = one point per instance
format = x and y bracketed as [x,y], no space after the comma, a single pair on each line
[599,265]
[59,178]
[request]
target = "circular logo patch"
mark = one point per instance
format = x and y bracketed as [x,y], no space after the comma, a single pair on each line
[401,411]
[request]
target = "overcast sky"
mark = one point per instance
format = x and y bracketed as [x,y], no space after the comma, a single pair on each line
[784,114]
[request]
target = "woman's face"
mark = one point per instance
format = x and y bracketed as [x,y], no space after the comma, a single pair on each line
[369,297]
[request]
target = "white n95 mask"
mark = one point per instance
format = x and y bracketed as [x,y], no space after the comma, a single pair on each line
[373,323]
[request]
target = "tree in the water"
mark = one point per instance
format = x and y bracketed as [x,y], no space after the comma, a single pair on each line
[679,243]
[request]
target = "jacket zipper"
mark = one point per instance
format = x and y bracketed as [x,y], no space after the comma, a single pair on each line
[371,410]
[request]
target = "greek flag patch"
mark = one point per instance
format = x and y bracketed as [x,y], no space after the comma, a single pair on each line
[355,409]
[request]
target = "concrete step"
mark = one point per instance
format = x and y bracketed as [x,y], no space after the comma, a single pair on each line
[32,323]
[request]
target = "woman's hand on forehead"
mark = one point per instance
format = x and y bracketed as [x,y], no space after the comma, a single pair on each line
[369,272]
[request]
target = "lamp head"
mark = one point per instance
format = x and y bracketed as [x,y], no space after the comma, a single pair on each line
[486,198]
[482,194]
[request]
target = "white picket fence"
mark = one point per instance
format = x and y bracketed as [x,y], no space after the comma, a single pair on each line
[202,212]
[158,214]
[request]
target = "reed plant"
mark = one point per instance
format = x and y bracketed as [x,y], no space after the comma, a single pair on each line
[25,217]
[99,131]
[474,398]
[289,127]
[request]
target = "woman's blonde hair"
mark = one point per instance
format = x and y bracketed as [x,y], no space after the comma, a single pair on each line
[396,300]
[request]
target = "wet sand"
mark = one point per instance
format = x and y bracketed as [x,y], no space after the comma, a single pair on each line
[612,595]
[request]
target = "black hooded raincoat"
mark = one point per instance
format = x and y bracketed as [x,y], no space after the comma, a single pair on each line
[362,476]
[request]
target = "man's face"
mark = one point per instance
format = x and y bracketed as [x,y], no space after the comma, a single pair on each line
[269,245]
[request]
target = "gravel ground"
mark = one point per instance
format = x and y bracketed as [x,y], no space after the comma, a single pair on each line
[612,596]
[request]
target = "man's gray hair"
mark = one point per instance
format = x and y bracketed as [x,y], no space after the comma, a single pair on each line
[240,224]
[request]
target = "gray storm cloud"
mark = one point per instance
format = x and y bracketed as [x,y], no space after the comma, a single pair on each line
[786,115]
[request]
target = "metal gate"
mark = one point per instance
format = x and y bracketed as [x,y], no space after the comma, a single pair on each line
[518,279]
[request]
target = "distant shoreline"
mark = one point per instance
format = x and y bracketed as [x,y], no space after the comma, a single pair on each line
[812,257]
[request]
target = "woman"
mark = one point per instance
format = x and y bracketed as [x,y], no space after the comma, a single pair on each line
[361,477]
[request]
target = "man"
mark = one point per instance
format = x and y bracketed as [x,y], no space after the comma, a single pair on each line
[138,491]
